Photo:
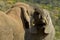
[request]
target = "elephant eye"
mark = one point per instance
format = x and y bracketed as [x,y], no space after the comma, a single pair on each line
[36,13]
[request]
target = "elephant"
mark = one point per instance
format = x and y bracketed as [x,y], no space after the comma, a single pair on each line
[20,12]
[36,22]
[41,27]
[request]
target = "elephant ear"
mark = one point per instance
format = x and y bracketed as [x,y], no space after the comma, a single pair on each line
[17,11]
[25,17]
[24,11]
[47,18]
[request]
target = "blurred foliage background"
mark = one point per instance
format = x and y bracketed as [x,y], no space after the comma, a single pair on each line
[52,5]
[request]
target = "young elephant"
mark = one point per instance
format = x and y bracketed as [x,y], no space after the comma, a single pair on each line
[36,22]
[20,13]
[41,27]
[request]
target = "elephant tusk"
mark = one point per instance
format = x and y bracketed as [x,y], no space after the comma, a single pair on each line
[45,20]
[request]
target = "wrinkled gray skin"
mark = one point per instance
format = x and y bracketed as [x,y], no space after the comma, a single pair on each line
[41,27]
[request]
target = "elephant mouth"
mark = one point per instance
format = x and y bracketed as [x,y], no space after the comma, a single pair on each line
[36,29]
[37,26]
[40,25]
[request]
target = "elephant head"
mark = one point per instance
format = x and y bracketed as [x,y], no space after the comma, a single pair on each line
[40,20]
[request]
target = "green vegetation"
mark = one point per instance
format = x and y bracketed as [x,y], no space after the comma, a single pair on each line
[52,5]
